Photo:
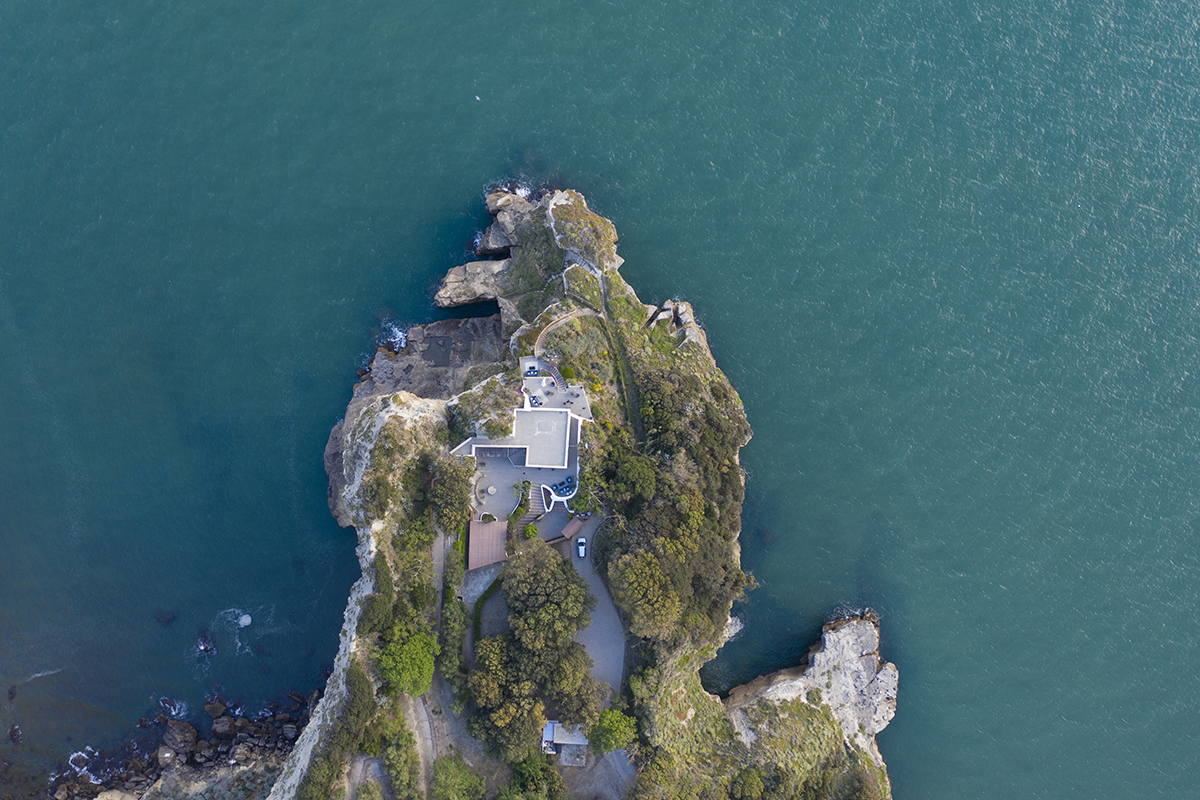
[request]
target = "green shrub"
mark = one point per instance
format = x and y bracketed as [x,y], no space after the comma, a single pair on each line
[369,791]
[450,492]
[454,630]
[530,531]
[400,764]
[454,569]
[423,593]
[406,663]
[376,615]
[496,428]
[534,777]
[614,731]
[416,533]
[454,780]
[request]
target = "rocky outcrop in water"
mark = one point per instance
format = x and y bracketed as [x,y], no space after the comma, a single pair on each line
[470,283]
[844,672]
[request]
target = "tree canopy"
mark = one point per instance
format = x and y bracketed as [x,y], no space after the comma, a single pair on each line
[406,662]
[613,731]
[548,601]
[641,587]
[537,660]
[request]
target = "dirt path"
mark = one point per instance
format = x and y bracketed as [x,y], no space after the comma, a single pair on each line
[608,777]
[364,769]
[417,716]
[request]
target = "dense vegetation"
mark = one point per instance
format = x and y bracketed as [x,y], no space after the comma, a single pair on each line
[534,778]
[454,628]
[388,737]
[345,739]
[536,662]
[454,780]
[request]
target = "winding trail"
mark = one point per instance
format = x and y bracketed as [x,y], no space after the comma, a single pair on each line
[364,769]
[565,318]
[417,715]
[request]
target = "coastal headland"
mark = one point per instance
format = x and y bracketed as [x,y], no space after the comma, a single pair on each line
[547,502]
[564,473]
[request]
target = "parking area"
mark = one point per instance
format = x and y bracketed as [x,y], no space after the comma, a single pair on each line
[604,639]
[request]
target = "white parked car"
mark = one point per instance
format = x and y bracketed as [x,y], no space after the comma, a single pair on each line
[581,545]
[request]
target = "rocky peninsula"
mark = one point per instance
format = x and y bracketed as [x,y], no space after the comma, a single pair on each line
[593,605]
[657,462]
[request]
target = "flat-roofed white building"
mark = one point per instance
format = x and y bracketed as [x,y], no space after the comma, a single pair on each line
[542,447]
[544,434]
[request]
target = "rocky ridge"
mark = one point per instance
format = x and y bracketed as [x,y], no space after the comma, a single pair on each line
[240,758]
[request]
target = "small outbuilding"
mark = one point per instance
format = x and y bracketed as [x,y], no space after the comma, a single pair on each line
[570,743]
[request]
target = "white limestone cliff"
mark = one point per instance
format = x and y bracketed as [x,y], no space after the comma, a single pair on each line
[843,672]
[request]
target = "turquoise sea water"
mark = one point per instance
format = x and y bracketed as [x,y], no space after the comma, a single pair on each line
[946,251]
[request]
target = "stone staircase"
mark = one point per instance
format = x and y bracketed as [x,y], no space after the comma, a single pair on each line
[537,507]
[558,379]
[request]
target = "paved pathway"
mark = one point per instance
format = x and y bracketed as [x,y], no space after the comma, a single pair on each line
[604,639]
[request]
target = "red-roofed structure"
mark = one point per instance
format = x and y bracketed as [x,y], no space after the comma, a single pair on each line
[485,543]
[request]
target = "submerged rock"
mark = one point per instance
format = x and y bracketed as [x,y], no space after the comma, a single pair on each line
[12,692]
[205,643]
[16,734]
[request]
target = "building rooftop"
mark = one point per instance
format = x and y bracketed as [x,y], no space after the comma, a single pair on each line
[544,434]
[565,735]
[485,544]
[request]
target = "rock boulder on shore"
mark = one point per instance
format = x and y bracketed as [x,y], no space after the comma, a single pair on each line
[471,283]
[180,737]
[222,728]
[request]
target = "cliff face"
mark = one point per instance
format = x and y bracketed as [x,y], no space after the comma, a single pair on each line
[843,672]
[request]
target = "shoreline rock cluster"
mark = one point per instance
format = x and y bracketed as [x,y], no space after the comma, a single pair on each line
[240,753]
